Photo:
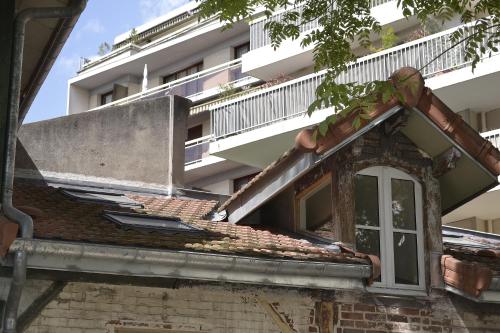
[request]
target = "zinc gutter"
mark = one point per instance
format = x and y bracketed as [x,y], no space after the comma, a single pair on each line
[133,261]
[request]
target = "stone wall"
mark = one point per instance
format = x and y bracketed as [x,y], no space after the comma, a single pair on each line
[104,308]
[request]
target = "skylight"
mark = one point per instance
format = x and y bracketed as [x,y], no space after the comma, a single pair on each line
[101,197]
[157,223]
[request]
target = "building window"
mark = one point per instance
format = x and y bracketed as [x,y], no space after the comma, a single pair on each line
[194,132]
[238,183]
[388,215]
[183,73]
[240,50]
[107,97]
[315,208]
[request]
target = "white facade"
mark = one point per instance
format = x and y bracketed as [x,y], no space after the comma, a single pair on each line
[247,110]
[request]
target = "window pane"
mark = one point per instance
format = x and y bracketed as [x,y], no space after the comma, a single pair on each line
[403,204]
[405,258]
[319,209]
[368,241]
[366,200]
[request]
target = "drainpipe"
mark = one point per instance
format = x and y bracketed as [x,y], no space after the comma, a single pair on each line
[23,220]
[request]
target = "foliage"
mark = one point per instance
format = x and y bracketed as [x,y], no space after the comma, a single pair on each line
[104,48]
[388,39]
[226,90]
[277,80]
[133,37]
[347,21]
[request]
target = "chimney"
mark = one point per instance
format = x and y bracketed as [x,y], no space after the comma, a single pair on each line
[141,142]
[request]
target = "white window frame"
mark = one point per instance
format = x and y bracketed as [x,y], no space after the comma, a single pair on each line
[386,229]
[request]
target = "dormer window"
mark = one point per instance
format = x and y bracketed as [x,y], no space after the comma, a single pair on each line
[388,216]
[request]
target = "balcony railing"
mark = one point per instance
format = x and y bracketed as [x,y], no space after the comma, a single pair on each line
[292,98]
[259,36]
[191,85]
[197,149]
[493,137]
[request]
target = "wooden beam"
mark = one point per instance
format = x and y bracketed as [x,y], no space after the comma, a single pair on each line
[446,161]
[275,316]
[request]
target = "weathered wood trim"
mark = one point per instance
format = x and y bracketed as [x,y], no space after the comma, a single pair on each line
[275,316]
[317,183]
[446,161]
[326,316]
[326,178]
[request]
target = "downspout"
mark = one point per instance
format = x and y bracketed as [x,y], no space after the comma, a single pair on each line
[25,222]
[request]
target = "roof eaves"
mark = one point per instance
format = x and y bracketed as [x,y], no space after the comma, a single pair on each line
[459,131]
[50,54]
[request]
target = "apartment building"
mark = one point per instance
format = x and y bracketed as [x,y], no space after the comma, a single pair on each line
[249,100]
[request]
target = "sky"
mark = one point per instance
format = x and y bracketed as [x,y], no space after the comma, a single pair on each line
[100,22]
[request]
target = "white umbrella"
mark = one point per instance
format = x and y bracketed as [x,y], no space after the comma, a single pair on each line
[145,78]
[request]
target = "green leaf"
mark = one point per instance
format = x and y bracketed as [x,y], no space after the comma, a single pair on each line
[323,128]
[356,122]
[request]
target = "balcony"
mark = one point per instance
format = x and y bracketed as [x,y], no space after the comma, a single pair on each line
[493,137]
[259,37]
[198,86]
[264,111]
[264,62]
[197,149]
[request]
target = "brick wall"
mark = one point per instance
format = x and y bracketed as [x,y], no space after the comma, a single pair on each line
[104,308]
[440,313]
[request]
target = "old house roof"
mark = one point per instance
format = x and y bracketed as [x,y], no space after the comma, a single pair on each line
[73,234]
[430,125]
[471,262]
[60,217]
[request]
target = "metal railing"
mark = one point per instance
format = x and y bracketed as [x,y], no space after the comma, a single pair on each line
[292,98]
[159,28]
[493,137]
[259,36]
[189,86]
[197,149]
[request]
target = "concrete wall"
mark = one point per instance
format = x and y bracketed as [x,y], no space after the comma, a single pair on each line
[79,99]
[129,142]
[105,308]
[222,183]
[222,187]
[493,120]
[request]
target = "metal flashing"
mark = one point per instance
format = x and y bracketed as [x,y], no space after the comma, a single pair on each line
[100,197]
[99,184]
[163,224]
[487,296]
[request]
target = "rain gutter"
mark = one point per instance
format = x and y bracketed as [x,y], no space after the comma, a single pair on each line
[23,220]
[133,261]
